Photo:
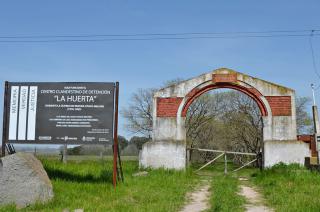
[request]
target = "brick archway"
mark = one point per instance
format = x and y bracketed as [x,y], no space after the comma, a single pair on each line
[251,92]
[170,104]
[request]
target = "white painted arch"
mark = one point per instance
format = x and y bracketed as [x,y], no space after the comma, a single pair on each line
[169,134]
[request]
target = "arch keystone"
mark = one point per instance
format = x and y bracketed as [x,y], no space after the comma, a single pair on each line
[230,77]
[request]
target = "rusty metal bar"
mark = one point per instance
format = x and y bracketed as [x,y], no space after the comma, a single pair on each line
[116,124]
[115,137]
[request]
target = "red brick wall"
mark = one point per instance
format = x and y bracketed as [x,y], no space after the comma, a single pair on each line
[280,105]
[224,78]
[168,107]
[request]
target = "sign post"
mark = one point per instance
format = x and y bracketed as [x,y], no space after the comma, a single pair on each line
[5,118]
[115,138]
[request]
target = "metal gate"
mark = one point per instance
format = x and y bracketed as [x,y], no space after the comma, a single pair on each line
[257,157]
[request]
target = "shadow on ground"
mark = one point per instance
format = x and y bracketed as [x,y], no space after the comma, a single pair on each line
[104,176]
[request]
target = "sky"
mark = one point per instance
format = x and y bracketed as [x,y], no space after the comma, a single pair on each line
[148,63]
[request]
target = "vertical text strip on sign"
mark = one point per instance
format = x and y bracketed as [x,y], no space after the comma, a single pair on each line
[32,111]
[217,78]
[280,105]
[14,105]
[168,107]
[23,104]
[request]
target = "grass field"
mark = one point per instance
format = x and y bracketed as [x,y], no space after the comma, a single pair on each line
[224,189]
[225,197]
[285,188]
[86,183]
[290,188]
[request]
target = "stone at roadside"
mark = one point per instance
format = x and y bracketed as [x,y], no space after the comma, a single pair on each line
[140,174]
[243,179]
[23,180]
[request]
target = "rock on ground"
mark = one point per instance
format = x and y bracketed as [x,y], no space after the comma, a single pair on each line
[140,174]
[23,180]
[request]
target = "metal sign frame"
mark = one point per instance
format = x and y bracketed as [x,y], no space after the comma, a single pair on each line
[117,166]
[44,118]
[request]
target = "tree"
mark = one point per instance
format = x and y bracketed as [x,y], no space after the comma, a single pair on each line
[138,113]
[139,141]
[244,121]
[75,150]
[123,142]
[172,82]
[304,120]
[227,120]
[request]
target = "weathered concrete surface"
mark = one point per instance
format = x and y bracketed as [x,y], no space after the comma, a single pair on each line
[23,180]
[165,154]
[286,152]
[277,127]
[166,129]
[277,105]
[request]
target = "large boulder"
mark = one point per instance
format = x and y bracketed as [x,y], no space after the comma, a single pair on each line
[23,180]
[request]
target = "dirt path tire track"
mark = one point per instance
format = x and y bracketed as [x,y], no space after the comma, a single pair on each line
[255,201]
[198,200]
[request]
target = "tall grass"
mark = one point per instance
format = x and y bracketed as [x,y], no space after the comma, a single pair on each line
[290,188]
[225,194]
[87,185]
[224,188]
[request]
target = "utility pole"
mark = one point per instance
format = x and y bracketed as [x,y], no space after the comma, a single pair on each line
[316,125]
